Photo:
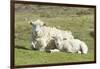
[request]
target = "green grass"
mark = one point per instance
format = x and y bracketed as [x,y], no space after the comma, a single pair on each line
[24,57]
[78,24]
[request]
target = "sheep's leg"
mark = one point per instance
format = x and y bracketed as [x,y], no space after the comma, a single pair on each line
[44,44]
[33,45]
[33,42]
[42,49]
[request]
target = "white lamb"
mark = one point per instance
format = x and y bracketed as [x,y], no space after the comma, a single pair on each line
[70,45]
[42,36]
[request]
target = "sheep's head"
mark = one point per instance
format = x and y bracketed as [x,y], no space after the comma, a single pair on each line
[37,27]
[37,22]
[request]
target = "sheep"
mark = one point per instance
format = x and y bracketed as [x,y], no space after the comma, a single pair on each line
[70,45]
[42,36]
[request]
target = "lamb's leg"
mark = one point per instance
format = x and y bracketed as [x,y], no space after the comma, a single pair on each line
[79,52]
[54,50]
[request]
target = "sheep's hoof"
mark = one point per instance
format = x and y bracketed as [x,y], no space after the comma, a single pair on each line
[33,48]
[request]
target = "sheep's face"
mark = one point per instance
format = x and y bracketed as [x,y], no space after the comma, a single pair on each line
[37,28]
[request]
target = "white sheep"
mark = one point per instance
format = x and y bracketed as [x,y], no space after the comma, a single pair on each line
[42,35]
[70,45]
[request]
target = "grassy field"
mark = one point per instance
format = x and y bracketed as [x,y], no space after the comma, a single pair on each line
[77,20]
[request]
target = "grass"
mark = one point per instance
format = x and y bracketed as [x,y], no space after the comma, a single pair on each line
[35,57]
[79,24]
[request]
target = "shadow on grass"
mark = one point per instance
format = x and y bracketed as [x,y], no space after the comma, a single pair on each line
[21,47]
[31,49]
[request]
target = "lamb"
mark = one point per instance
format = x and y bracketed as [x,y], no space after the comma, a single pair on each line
[70,45]
[42,36]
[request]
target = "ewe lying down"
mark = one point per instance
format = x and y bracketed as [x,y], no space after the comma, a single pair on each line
[46,38]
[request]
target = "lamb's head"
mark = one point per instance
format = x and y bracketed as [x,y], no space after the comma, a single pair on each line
[67,35]
[58,40]
[37,27]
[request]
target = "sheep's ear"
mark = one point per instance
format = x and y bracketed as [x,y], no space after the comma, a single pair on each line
[30,22]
